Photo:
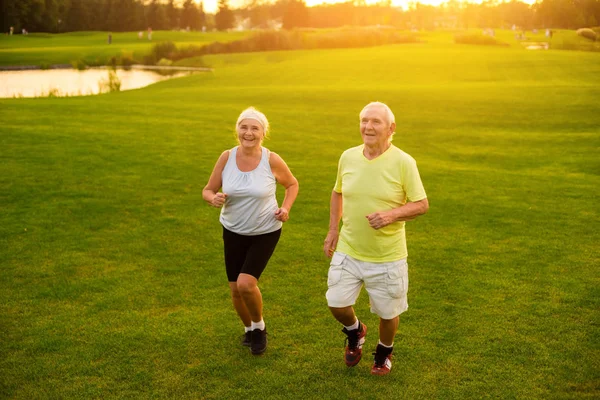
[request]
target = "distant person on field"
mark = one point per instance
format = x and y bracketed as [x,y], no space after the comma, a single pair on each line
[378,189]
[149,33]
[140,34]
[248,175]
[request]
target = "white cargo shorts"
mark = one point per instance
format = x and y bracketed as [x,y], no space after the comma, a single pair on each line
[386,283]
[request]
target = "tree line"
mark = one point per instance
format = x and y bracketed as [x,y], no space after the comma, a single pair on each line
[131,15]
[57,16]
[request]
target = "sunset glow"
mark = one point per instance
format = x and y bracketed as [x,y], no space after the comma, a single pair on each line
[210,6]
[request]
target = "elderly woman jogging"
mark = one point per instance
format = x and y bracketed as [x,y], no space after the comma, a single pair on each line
[243,184]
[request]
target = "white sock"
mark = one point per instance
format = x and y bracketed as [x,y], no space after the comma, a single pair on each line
[247,328]
[352,327]
[258,325]
[385,345]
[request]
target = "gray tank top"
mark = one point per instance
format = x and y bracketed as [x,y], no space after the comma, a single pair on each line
[251,203]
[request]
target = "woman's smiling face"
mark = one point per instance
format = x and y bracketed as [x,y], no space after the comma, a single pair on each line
[250,132]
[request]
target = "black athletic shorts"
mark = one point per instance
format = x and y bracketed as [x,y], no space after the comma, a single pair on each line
[248,254]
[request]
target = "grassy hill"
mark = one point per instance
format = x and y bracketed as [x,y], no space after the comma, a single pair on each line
[44,49]
[113,285]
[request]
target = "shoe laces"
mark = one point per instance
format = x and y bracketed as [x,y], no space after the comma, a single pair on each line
[380,356]
[352,338]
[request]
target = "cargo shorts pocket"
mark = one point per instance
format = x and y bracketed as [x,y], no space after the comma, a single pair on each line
[396,284]
[336,267]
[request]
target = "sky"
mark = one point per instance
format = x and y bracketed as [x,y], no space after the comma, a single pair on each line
[210,6]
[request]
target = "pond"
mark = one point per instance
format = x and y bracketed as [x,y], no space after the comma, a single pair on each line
[71,82]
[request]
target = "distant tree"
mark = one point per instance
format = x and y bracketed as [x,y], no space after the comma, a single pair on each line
[224,18]
[209,22]
[469,15]
[78,16]
[96,11]
[12,14]
[591,10]
[190,15]
[296,14]
[257,12]
[568,14]
[201,16]
[398,18]
[334,15]
[50,16]
[141,19]
[489,16]
[422,16]
[157,16]
[260,16]
[32,15]
[172,14]
[277,9]
[128,15]
[516,13]
[112,12]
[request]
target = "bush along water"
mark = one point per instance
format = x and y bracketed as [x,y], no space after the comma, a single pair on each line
[284,40]
[477,39]
[162,50]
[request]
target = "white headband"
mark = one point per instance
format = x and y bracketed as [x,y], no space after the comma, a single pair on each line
[252,113]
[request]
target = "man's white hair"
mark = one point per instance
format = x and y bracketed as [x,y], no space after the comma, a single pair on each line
[253,113]
[388,111]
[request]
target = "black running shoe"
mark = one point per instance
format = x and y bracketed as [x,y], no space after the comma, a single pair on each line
[258,341]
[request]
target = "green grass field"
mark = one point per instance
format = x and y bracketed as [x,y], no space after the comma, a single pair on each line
[92,48]
[48,49]
[112,282]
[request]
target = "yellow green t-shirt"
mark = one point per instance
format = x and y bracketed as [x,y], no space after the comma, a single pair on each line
[368,186]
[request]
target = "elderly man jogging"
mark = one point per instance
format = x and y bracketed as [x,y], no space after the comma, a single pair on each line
[378,189]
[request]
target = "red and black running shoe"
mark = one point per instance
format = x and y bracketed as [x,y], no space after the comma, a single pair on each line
[355,341]
[383,360]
